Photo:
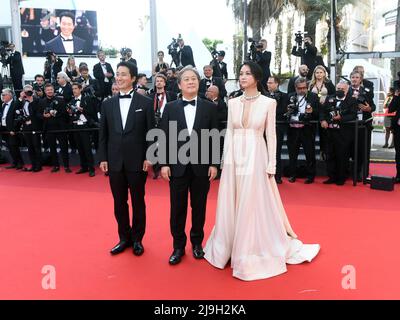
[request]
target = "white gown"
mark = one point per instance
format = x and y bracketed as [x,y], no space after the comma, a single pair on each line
[251,227]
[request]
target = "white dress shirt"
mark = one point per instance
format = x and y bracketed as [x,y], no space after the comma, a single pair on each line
[124,105]
[190,114]
[104,67]
[68,45]
[4,116]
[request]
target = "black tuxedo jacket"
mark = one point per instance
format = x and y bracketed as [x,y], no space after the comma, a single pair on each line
[56,45]
[186,56]
[10,125]
[131,60]
[99,74]
[65,93]
[216,82]
[60,120]
[37,122]
[395,107]
[125,149]
[312,100]
[171,96]
[348,109]
[89,109]
[281,99]
[206,118]
[224,70]
[264,61]
[16,66]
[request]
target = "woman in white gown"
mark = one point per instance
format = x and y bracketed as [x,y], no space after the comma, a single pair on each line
[251,227]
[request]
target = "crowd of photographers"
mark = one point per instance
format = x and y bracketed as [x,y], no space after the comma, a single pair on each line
[61,109]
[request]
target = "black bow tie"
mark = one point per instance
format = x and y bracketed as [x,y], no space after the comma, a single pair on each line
[76,100]
[185,103]
[66,39]
[125,96]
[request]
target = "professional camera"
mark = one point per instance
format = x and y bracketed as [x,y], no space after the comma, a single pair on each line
[299,37]
[293,108]
[4,51]
[173,50]
[49,55]
[334,111]
[52,107]
[254,47]
[75,113]
[20,118]
[37,87]
[124,52]
[82,21]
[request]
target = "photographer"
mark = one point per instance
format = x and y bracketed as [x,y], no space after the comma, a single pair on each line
[54,114]
[52,66]
[209,80]
[185,54]
[303,107]
[82,113]
[16,68]
[64,88]
[104,74]
[395,107]
[308,53]
[28,105]
[126,55]
[366,106]
[336,113]
[281,99]
[8,124]
[38,86]
[172,82]
[263,58]
[90,86]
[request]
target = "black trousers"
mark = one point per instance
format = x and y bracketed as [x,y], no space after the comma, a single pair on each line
[304,137]
[121,182]
[361,149]
[281,130]
[33,142]
[82,139]
[12,144]
[63,142]
[179,189]
[396,136]
[338,146]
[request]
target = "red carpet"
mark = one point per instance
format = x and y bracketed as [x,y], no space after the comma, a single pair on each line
[67,221]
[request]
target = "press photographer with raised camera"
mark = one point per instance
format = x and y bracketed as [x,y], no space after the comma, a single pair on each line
[281,99]
[185,54]
[366,106]
[14,60]
[126,55]
[303,107]
[64,88]
[258,53]
[38,86]
[31,122]
[336,115]
[307,51]
[52,66]
[55,117]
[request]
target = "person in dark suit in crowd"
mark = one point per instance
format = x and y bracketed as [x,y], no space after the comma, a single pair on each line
[8,114]
[281,125]
[128,57]
[336,114]
[210,80]
[263,58]
[365,82]
[104,73]
[125,121]
[222,65]
[28,105]
[303,106]
[185,54]
[52,66]
[16,68]
[395,107]
[141,82]
[64,88]
[303,72]
[308,55]
[66,42]
[191,114]
[172,82]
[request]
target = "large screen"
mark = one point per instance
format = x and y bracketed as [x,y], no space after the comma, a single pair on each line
[60,31]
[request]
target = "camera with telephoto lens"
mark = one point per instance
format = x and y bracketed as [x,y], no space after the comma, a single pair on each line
[20,118]
[52,108]
[4,52]
[334,111]
[254,47]
[293,108]
[37,87]
[299,37]
[75,113]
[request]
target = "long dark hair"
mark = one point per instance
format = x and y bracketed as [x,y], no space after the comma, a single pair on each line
[257,73]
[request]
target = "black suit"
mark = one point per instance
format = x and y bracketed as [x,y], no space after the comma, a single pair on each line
[395,107]
[264,61]
[12,141]
[51,71]
[56,45]
[65,92]
[131,60]
[98,73]
[215,81]
[192,176]
[125,151]
[186,56]
[308,56]
[16,71]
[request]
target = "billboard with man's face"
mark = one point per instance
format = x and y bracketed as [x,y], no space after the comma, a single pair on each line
[60,31]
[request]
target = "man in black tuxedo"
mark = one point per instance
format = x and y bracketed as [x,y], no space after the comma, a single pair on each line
[104,73]
[395,107]
[222,65]
[66,42]
[209,80]
[303,106]
[52,67]
[263,58]
[8,114]
[172,83]
[281,125]
[365,82]
[308,55]
[335,116]
[303,72]
[188,173]
[64,88]
[185,54]
[16,68]
[128,57]
[125,121]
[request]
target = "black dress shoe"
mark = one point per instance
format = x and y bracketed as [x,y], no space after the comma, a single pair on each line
[13,166]
[309,181]
[19,167]
[198,252]
[37,169]
[120,247]
[91,173]
[176,256]
[278,180]
[67,170]
[292,179]
[80,171]
[329,181]
[27,169]
[138,248]
[55,169]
